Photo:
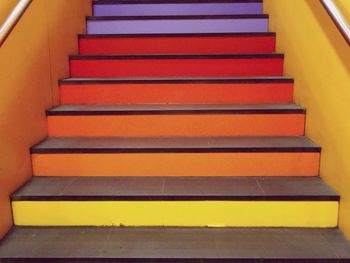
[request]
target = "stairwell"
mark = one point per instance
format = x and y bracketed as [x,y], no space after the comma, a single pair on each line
[177,140]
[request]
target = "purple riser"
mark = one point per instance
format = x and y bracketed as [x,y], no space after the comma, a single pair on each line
[177,9]
[177,26]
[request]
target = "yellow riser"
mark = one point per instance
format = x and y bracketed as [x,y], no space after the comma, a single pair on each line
[177,213]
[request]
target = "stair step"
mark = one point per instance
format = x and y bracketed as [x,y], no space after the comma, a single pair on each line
[176,120]
[175,189]
[175,145]
[248,43]
[202,201]
[177,24]
[176,156]
[214,65]
[176,90]
[150,8]
[90,244]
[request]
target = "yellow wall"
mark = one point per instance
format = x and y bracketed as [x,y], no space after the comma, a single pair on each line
[319,59]
[32,60]
[344,6]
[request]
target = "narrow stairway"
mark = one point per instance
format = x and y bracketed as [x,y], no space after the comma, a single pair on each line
[177,140]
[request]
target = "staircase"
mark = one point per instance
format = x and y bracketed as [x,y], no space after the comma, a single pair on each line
[176,140]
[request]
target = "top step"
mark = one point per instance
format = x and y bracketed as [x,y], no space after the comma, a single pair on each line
[176,7]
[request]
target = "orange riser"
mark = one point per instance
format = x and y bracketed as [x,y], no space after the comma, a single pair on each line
[177,164]
[176,93]
[178,125]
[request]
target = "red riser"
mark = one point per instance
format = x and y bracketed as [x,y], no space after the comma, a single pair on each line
[177,45]
[176,67]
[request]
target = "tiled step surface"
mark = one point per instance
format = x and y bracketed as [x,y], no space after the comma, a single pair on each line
[176,90]
[175,189]
[201,201]
[176,156]
[175,144]
[177,120]
[214,65]
[151,8]
[177,24]
[230,43]
[88,244]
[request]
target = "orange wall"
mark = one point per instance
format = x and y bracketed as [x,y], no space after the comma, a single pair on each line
[32,60]
[319,59]
[344,6]
[5,8]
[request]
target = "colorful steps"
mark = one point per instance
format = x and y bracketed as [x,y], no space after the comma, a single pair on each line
[176,120]
[157,244]
[232,43]
[218,65]
[177,24]
[201,201]
[176,156]
[176,113]
[151,8]
[176,90]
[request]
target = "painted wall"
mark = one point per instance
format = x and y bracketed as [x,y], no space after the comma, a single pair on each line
[32,60]
[344,6]
[319,59]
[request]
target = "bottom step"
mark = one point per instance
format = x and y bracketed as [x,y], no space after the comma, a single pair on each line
[89,244]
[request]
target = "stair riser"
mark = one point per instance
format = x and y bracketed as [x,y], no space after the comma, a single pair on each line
[178,125]
[163,213]
[176,67]
[177,164]
[178,45]
[166,26]
[176,9]
[176,93]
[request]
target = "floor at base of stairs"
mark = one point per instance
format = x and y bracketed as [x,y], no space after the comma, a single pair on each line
[173,244]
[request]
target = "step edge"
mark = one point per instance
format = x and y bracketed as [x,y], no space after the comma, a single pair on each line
[176,35]
[73,81]
[257,198]
[87,150]
[177,56]
[176,17]
[58,112]
[110,2]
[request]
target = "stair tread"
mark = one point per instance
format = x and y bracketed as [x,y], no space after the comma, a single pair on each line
[141,244]
[266,79]
[174,144]
[177,17]
[176,188]
[178,56]
[82,109]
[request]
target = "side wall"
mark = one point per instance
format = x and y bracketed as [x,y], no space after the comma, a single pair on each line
[32,59]
[319,59]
